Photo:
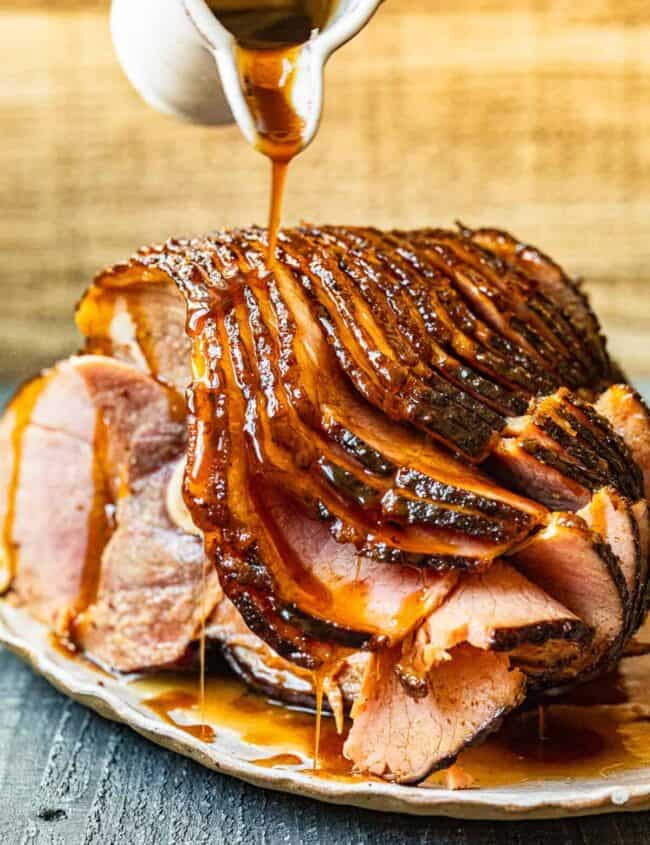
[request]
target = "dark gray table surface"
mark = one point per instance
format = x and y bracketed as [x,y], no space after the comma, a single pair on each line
[70,777]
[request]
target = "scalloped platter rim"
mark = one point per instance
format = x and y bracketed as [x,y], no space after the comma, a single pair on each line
[114,699]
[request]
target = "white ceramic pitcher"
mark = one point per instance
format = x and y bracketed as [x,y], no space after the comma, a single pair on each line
[171,49]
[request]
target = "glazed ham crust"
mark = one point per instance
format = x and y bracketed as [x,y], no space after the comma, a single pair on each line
[397,469]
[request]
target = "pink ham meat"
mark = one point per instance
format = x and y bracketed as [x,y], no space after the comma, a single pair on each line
[525,466]
[352,409]
[403,738]
[630,418]
[151,596]
[45,513]
[354,592]
[575,566]
[57,488]
[419,707]
[323,589]
[501,610]
[614,518]
[97,557]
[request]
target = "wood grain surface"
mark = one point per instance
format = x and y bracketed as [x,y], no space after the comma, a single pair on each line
[69,777]
[534,114]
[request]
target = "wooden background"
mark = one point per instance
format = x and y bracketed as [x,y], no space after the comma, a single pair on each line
[533,114]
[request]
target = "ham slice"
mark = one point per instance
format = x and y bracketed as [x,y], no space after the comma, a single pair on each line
[576,567]
[68,434]
[528,465]
[500,610]
[387,601]
[642,517]
[152,591]
[563,451]
[614,519]
[630,418]
[419,708]
[96,554]
[402,738]
[328,501]
[556,286]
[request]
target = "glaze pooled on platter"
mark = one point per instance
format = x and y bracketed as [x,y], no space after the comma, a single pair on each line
[391,495]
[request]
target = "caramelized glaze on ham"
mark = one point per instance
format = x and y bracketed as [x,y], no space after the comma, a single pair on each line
[388,435]
[499,610]
[614,519]
[630,418]
[399,737]
[578,568]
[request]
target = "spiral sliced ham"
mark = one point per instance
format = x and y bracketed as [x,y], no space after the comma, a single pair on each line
[408,472]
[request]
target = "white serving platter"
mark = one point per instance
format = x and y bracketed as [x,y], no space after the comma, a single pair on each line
[623,790]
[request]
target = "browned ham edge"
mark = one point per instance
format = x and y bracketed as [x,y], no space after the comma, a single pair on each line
[264,670]
[448,686]
[555,284]
[546,478]
[576,567]
[499,610]
[350,412]
[630,418]
[563,451]
[642,517]
[613,518]
[402,738]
